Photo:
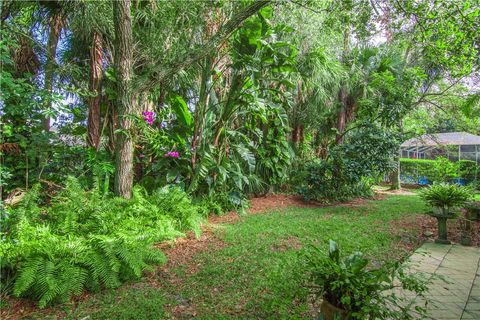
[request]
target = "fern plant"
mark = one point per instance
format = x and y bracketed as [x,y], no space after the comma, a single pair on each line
[444,197]
[84,241]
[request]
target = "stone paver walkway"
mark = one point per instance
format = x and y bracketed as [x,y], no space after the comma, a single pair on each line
[458,295]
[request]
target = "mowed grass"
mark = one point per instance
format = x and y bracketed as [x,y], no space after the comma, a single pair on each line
[259,274]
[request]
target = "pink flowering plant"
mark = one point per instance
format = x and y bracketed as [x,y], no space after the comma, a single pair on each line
[148,117]
[172,154]
[162,147]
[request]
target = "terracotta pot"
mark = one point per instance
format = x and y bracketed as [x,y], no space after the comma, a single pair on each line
[330,312]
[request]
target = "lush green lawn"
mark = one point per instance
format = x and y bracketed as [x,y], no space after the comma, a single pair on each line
[259,273]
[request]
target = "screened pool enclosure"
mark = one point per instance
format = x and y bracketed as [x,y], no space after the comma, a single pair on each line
[453,145]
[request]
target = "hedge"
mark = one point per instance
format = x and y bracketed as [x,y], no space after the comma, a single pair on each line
[414,170]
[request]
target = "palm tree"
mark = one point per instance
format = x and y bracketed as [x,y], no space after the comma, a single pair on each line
[56,21]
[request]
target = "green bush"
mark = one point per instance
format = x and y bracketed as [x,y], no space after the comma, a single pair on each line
[324,184]
[362,291]
[83,240]
[351,167]
[469,170]
[439,170]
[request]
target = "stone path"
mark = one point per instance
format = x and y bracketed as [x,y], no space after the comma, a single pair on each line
[458,295]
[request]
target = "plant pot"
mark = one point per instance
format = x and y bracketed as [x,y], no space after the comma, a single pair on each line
[330,312]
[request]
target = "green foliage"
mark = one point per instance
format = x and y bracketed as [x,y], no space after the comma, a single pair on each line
[244,116]
[445,197]
[21,115]
[444,170]
[243,146]
[439,170]
[181,111]
[446,32]
[392,85]
[84,240]
[222,202]
[348,170]
[364,292]
[322,184]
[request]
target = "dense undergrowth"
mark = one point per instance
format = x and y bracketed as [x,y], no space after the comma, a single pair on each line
[84,240]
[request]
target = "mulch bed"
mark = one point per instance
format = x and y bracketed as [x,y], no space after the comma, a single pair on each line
[455,231]
[428,231]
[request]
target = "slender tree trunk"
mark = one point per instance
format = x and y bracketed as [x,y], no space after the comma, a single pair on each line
[342,115]
[343,95]
[112,125]
[94,117]
[56,22]
[200,111]
[295,135]
[125,103]
[395,180]
[301,135]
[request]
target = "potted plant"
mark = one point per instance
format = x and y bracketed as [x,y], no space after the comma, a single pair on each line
[444,198]
[350,289]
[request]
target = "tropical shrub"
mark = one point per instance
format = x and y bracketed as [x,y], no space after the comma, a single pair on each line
[322,183]
[439,170]
[86,241]
[469,171]
[349,170]
[363,292]
[443,170]
[415,168]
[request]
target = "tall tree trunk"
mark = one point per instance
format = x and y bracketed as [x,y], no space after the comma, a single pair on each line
[343,93]
[341,115]
[125,103]
[56,22]
[94,118]
[395,176]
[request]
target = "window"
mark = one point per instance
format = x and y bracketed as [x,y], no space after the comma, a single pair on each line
[468,156]
[467,148]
